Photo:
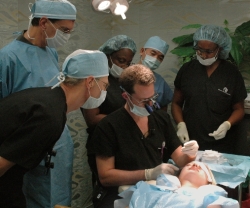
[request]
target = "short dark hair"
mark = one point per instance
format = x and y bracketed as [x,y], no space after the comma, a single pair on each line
[35,21]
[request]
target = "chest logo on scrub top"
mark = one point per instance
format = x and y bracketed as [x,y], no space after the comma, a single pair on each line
[224,90]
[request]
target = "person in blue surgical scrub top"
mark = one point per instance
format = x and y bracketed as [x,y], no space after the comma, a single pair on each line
[152,55]
[31,61]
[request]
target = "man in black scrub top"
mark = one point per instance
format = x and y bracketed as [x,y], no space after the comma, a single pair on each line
[130,145]
[32,120]
[209,94]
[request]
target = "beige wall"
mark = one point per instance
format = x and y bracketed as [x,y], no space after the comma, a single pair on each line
[145,18]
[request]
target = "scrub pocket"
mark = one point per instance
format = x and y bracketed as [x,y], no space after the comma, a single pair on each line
[218,101]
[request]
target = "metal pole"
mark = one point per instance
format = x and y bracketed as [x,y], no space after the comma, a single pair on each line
[240,194]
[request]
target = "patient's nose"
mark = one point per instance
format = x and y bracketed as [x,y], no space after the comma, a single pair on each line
[195,164]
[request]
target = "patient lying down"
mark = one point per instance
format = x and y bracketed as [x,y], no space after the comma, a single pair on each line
[194,187]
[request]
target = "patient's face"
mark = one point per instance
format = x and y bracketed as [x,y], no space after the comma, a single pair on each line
[195,174]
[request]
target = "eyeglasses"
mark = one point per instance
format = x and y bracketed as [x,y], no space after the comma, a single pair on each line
[63,29]
[197,48]
[106,85]
[145,101]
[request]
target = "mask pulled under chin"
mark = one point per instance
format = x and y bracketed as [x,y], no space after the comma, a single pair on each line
[92,102]
[206,62]
[151,62]
[115,71]
[59,39]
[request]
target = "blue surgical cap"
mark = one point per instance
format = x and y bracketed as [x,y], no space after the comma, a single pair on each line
[158,44]
[117,43]
[217,35]
[84,63]
[54,9]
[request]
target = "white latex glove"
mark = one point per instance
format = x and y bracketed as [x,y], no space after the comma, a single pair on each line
[182,132]
[151,174]
[190,148]
[221,131]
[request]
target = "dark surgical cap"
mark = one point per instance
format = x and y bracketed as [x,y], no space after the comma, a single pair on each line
[117,43]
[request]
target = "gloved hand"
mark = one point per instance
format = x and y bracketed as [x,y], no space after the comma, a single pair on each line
[221,131]
[190,148]
[182,132]
[151,174]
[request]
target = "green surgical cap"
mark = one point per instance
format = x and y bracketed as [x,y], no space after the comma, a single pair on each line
[84,63]
[217,35]
[117,43]
[158,44]
[54,9]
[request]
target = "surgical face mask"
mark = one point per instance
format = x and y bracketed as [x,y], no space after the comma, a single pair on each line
[207,62]
[115,70]
[137,110]
[59,39]
[92,102]
[151,62]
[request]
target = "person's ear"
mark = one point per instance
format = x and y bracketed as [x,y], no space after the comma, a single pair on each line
[124,95]
[89,82]
[42,22]
[142,51]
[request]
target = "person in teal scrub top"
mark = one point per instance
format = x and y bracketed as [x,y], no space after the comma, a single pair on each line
[152,55]
[29,61]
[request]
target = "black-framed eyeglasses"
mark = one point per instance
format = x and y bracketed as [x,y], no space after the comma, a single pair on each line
[145,101]
[201,50]
[149,108]
[153,98]
[106,85]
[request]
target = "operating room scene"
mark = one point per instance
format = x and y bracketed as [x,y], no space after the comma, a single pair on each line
[124,104]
